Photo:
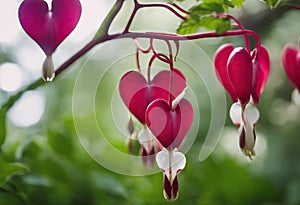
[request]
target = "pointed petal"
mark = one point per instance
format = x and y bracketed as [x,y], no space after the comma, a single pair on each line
[242,137]
[220,62]
[261,69]
[252,114]
[175,189]
[235,114]
[291,63]
[240,71]
[178,98]
[167,188]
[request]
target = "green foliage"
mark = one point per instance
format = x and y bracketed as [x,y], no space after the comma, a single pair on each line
[273,3]
[2,126]
[8,170]
[203,15]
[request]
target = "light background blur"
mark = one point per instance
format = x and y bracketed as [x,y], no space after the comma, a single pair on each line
[41,131]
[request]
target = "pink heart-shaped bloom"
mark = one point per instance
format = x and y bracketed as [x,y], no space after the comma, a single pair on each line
[137,93]
[170,126]
[240,71]
[220,61]
[49,28]
[291,64]
[242,75]
[261,70]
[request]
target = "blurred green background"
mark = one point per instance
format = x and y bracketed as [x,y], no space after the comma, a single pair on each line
[43,162]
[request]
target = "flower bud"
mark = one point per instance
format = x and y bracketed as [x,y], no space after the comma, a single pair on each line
[48,69]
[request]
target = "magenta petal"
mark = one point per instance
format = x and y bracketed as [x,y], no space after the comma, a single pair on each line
[261,69]
[240,71]
[137,93]
[169,126]
[162,80]
[220,62]
[49,28]
[167,188]
[175,188]
[291,63]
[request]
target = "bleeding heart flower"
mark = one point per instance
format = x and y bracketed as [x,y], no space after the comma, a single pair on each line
[291,64]
[171,163]
[49,27]
[242,74]
[137,93]
[149,146]
[245,118]
[170,124]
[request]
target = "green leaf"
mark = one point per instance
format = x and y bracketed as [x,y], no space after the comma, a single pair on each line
[273,3]
[193,23]
[2,126]
[237,3]
[11,169]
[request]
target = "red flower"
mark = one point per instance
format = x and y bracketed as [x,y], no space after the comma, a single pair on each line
[49,27]
[291,64]
[137,93]
[242,74]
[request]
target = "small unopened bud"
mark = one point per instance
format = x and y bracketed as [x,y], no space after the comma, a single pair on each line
[48,69]
[130,126]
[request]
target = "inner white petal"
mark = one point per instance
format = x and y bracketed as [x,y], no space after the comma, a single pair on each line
[296,97]
[235,113]
[252,114]
[172,168]
[146,139]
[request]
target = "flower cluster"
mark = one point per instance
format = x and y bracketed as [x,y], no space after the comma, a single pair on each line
[243,74]
[158,104]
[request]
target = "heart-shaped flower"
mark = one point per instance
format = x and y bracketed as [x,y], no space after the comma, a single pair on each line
[291,64]
[171,163]
[242,74]
[49,27]
[137,93]
[169,124]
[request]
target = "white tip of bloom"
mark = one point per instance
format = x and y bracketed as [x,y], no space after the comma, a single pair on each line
[48,69]
[146,139]
[252,114]
[296,97]
[170,162]
[246,122]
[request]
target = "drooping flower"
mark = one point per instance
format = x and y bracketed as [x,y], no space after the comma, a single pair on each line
[137,92]
[291,64]
[170,125]
[48,28]
[246,121]
[171,163]
[149,146]
[243,75]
